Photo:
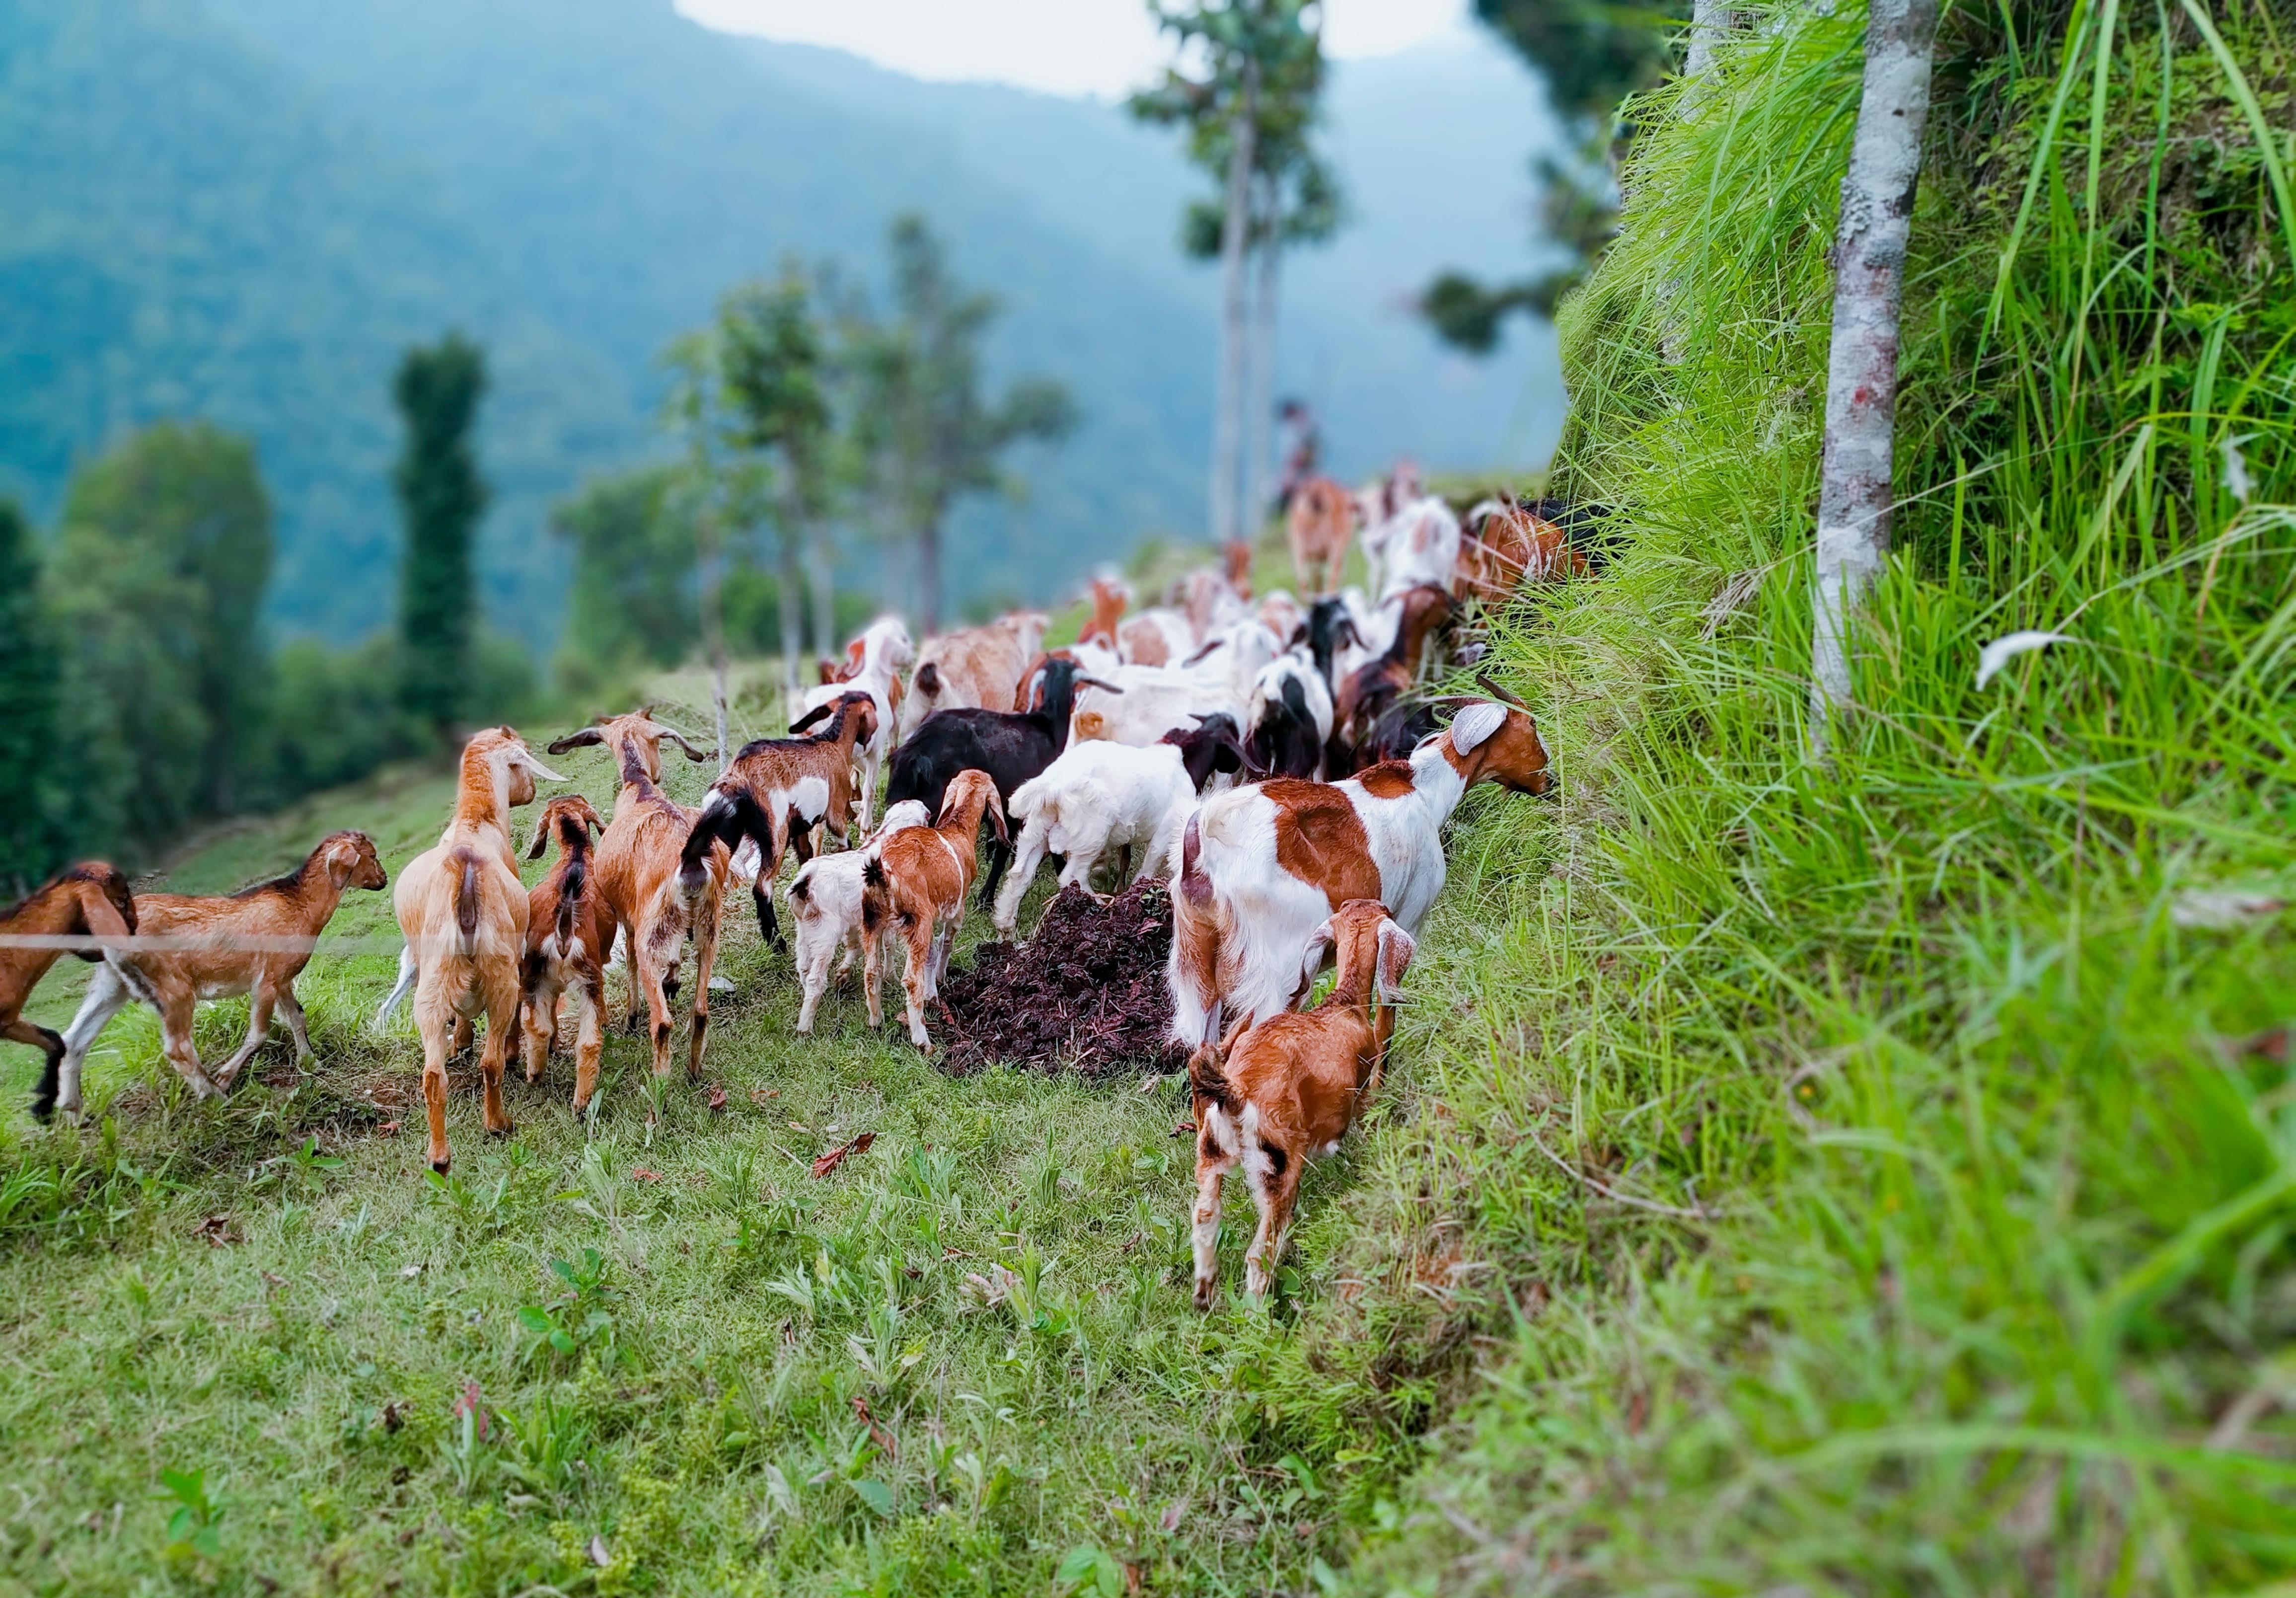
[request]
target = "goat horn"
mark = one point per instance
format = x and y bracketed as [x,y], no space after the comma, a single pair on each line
[1499,694]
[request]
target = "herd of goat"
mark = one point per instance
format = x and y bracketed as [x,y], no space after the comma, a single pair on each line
[1271,758]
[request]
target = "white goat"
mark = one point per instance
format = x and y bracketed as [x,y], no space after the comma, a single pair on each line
[875,660]
[1157,699]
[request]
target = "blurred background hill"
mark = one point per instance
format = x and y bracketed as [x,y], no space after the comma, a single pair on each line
[243,210]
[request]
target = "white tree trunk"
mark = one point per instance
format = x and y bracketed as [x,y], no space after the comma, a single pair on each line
[792,618]
[1227,433]
[821,573]
[1861,387]
[712,575]
[1260,427]
[1709,20]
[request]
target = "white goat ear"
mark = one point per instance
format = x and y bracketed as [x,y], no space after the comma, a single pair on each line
[1312,959]
[1474,724]
[1396,949]
[525,758]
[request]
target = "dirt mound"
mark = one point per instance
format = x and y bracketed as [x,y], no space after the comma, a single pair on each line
[1085,993]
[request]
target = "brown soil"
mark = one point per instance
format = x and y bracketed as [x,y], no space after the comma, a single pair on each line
[1084,993]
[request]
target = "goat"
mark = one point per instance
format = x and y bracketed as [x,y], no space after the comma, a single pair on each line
[1109,598]
[1272,1093]
[1508,548]
[1235,567]
[1100,796]
[1330,628]
[1289,718]
[1374,686]
[826,908]
[255,942]
[1280,613]
[1211,602]
[1422,547]
[1260,866]
[660,888]
[568,932]
[1320,521]
[917,880]
[778,789]
[1010,746]
[462,910]
[1155,637]
[873,663]
[90,900]
[978,668]
[1216,680]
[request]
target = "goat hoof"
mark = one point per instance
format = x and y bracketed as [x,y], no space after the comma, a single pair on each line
[504,1130]
[440,1166]
[1204,1295]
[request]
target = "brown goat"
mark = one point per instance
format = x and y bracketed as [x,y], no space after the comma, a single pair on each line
[1110,597]
[1319,523]
[979,667]
[255,942]
[90,900]
[1375,684]
[917,880]
[1510,548]
[569,933]
[658,905]
[1268,1096]
[462,910]
[778,789]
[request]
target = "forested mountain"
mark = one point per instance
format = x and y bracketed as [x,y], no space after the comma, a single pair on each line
[242,209]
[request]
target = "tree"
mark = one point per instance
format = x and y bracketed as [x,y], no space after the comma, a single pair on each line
[774,363]
[632,541]
[31,672]
[1855,499]
[1247,117]
[158,580]
[934,436]
[441,498]
[1593,57]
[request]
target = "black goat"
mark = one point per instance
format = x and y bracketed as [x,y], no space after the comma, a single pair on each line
[1286,740]
[1329,629]
[1011,746]
[1585,525]
[1211,746]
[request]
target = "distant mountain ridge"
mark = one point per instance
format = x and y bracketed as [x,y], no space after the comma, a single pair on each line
[245,208]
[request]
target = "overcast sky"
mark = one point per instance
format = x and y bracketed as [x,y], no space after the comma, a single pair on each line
[1099,47]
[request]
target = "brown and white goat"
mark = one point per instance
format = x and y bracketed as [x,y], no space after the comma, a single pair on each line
[462,910]
[1320,521]
[255,942]
[570,933]
[644,882]
[90,900]
[778,789]
[1509,547]
[1261,866]
[979,667]
[1109,598]
[915,881]
[1272,1093]
[1367,691]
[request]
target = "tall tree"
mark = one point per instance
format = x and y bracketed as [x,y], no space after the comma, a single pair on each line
[1246,112]
[441,498]
[773,353]
[31,845]
[936,437]
[1855,501]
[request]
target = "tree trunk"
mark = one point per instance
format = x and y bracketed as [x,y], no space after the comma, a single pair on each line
[1709,20]
[821,572]
[1260,406]
[1861,389]
[713,618]
[792,618]
[928,576]
[1234,227]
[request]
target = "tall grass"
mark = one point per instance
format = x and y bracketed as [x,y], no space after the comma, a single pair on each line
[1878,1175]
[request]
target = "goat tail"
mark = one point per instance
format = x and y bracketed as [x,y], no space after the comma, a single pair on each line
[1200,925]
[1207,1083]
[466,900]
[720,821]
[570,889]
[876,897]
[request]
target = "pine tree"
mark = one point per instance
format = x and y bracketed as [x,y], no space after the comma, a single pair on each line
[30,673]
[440,497]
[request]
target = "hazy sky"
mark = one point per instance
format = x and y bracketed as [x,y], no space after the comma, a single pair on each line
[1102,47]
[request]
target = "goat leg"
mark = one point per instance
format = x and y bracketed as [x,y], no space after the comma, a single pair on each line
[44,1092]
[299,1025]
[705,954]
[1204,1236]
[59,1089]
[589,1038]
[1275,1194]
[501,1023]
[258,1031]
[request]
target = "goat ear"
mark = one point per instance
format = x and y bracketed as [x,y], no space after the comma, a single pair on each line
[1474,725]
[1347,632]
[679,739]
[1105,687]
[1312,960]
[996,814]
[577,740]
[816,714]
[523,758]
[1396,949]
[541,836]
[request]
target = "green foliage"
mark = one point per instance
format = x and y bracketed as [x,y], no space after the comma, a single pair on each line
[335,714]
[31,669]
[157,583]
[441,498]
[1593,56]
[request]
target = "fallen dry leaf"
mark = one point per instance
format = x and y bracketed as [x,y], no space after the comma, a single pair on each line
[1184,1129]
[641,1174]
[717,1098]
[759,1096]
[1174,1512]
[217,1230]
[877,1434]
[837,1156]
[389,1128]
[394,1415]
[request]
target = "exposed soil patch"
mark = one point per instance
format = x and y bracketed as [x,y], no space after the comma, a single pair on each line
[1085,993]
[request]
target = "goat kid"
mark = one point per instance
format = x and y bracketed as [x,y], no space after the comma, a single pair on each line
[873,665]
[1098,797]
[915,881]
[255,942]
[463,911]
[1260,866]
[825,907]
[1269,1096]
[568,934]
[90,900]
[1290,718]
